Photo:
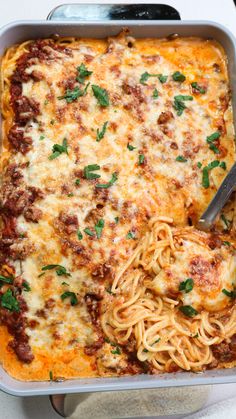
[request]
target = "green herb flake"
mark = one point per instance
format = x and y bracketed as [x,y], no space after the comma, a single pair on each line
[100,134]
[83,72]
[65,283]
[230,294]
[116,220]
[181,159]
[52,122]
[162,78]
[70,194]
[205,173]
[196,86]
[99,227]
[58,149]
[196,336]
[6,279]
[89,169]
[26,286]
[187,285]
[51,375]
[108,290]
[88,232]
[145,350]
[145,76]
[188,311]
[225,221]
[60,270]
[179,104]
[72,296]
[199,165]
[101,95]
[141,159]
[131,147]
[210,140]
[226,243]
[72,95]
[130,235]
[9,301]
[223,165]
[155,94]
[46,102]
[114,178]
[116,351]
[177,76]
[79,235]
[77,182]
[41,137]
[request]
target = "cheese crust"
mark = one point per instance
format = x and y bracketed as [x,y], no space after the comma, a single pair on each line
[100,136]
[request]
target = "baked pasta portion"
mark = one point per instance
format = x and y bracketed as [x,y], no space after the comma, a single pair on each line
[111,151]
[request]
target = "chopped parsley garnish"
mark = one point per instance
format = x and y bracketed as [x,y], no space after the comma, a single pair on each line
[52,122]
[181,159]
[100,134]
[141,159]
[77,182]
[114,178]
[226,243]
[101,95]
[196,86]
[46,102]
[41,137]
[199,165]
[155,94]
[225,221]
[50,375]
[130,235]
[145,76]
[177,76]
[230,294]
[205,173]
[188,311]
[9,301]
[109,292]
[64,283]
[79,235]
[26,286]
[88,232]
[223,165]
[116,220]
[83,72]
[72,296]
[187,285]
[196,336]
[58,149]
[89,169]
[131,147]
[60,270]
[99,227]
[6,279]
[116,351]
[70,194]
[179,104]
[210,140]
[72,95]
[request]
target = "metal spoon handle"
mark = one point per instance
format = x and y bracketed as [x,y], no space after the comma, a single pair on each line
[222,195]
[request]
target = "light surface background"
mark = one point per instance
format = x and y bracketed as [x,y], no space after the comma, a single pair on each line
[222,11]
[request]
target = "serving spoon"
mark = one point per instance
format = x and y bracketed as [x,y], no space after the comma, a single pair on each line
[228,185]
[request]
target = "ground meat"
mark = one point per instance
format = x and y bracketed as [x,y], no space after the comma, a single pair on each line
[33,214]
[9,226]
[14,173]
[37,75]
[165,117]
[15,90]
[25,109]
[225,352]
[214,241]
[68,222]
[93,303]
[101,271]
[17,201]
[135,91]
[93,348]
[20,249]
[174,146]
[22,350]
[17,139]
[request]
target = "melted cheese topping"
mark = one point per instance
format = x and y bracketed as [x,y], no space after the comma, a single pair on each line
[159,186]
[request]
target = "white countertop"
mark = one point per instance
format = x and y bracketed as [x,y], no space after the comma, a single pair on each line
[222,11]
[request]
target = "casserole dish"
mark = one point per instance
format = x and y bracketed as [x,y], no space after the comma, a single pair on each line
[18,32]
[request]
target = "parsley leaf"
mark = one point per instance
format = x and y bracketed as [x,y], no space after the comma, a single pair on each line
[26,286]
[83,72]
[130,235]
[89,169]
[116,351]
[9,301]
[72,296]
[141,159]
[226,243]
[179,104]
[196,86]
[6,279]
[223,165]
[77,182]
[58,149]
[99,227]
[50,375]
[60,270]
[72,95]
[177,76]
[41,137]
[188,311]
[210,140]
[230,294]
[181,159]
[116,220]
[162,78]
[100,134]
[101,95]
[187,285]
[88,232]
[205,173]
[225,221]
[131,147]
[114,178]
[79,235]
[199,165]
[155,94]
[145,76]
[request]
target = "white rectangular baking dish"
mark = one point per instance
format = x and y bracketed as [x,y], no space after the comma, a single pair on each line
[22,30]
